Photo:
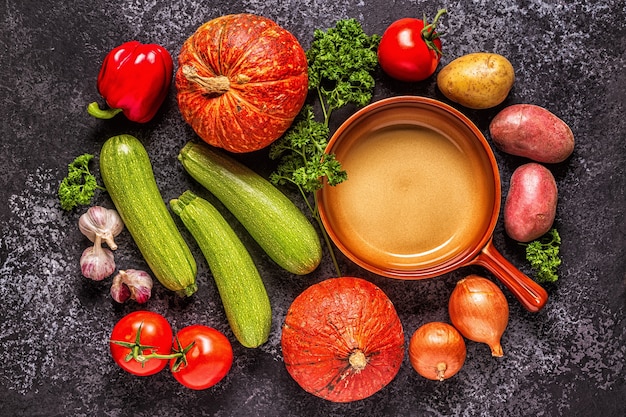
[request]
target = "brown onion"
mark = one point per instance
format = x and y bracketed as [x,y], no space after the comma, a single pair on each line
[437,351]
[480,311]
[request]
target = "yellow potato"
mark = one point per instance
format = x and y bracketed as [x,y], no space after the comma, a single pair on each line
[479,80]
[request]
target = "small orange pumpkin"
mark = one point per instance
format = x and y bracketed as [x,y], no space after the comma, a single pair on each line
[342,339]
[241,80]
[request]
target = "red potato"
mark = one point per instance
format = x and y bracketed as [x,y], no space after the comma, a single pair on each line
[532,132]
[530,205]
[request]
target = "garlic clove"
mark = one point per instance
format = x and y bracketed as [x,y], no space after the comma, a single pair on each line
[132,284]
[97,263]
[119,291]
[100,223]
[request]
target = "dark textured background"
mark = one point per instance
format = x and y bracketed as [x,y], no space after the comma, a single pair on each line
[567,360]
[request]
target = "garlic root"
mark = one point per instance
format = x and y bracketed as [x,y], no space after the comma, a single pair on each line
[100,223]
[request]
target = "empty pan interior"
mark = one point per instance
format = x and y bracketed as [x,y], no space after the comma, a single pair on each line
[423,190]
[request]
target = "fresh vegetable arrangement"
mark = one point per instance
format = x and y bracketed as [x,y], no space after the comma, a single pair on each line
[533,132]
[101,225]
[241,85]
[134,79]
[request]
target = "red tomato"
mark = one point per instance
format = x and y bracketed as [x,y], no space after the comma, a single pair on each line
[409,50]
[145,332]
[206,362]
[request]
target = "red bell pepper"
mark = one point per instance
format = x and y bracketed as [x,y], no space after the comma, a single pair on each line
[134,79]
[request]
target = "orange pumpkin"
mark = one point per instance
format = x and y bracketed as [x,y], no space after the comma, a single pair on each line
[241,80]
[342,339]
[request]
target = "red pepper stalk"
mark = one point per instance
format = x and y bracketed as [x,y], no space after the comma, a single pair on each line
[134,79]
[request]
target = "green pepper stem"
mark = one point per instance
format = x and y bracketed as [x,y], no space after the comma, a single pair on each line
[95,110]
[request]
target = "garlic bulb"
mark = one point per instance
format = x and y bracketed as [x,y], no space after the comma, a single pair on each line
[97,263]
[101,224]
[131,284]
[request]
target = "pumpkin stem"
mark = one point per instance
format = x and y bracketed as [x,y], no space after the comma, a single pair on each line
[357,360]
[212,85]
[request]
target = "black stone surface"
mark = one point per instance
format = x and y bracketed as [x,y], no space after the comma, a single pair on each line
[567,360]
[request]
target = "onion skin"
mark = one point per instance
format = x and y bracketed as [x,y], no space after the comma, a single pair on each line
[480,312]
[437,351]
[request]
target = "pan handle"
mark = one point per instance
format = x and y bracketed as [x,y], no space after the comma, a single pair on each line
[532,296]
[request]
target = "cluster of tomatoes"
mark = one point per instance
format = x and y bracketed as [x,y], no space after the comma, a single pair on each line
[142,343]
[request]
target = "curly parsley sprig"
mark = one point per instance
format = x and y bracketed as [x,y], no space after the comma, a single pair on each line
[341,61]
[79,186]
[543,255]
[303,162]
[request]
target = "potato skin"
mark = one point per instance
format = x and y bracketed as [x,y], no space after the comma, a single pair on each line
[530,205]
[479,80]
[532,132]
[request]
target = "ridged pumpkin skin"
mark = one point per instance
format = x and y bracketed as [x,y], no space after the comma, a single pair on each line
[241,80]
[328,326]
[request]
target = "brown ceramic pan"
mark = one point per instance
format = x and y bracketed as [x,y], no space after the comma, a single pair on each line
[422,196]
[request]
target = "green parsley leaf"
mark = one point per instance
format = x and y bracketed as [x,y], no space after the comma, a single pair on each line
[79,186]
[543,255]
[341,61]
[303,161]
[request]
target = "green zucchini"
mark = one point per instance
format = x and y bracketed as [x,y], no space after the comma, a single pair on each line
[128,177]
[240,286]
[277,225]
